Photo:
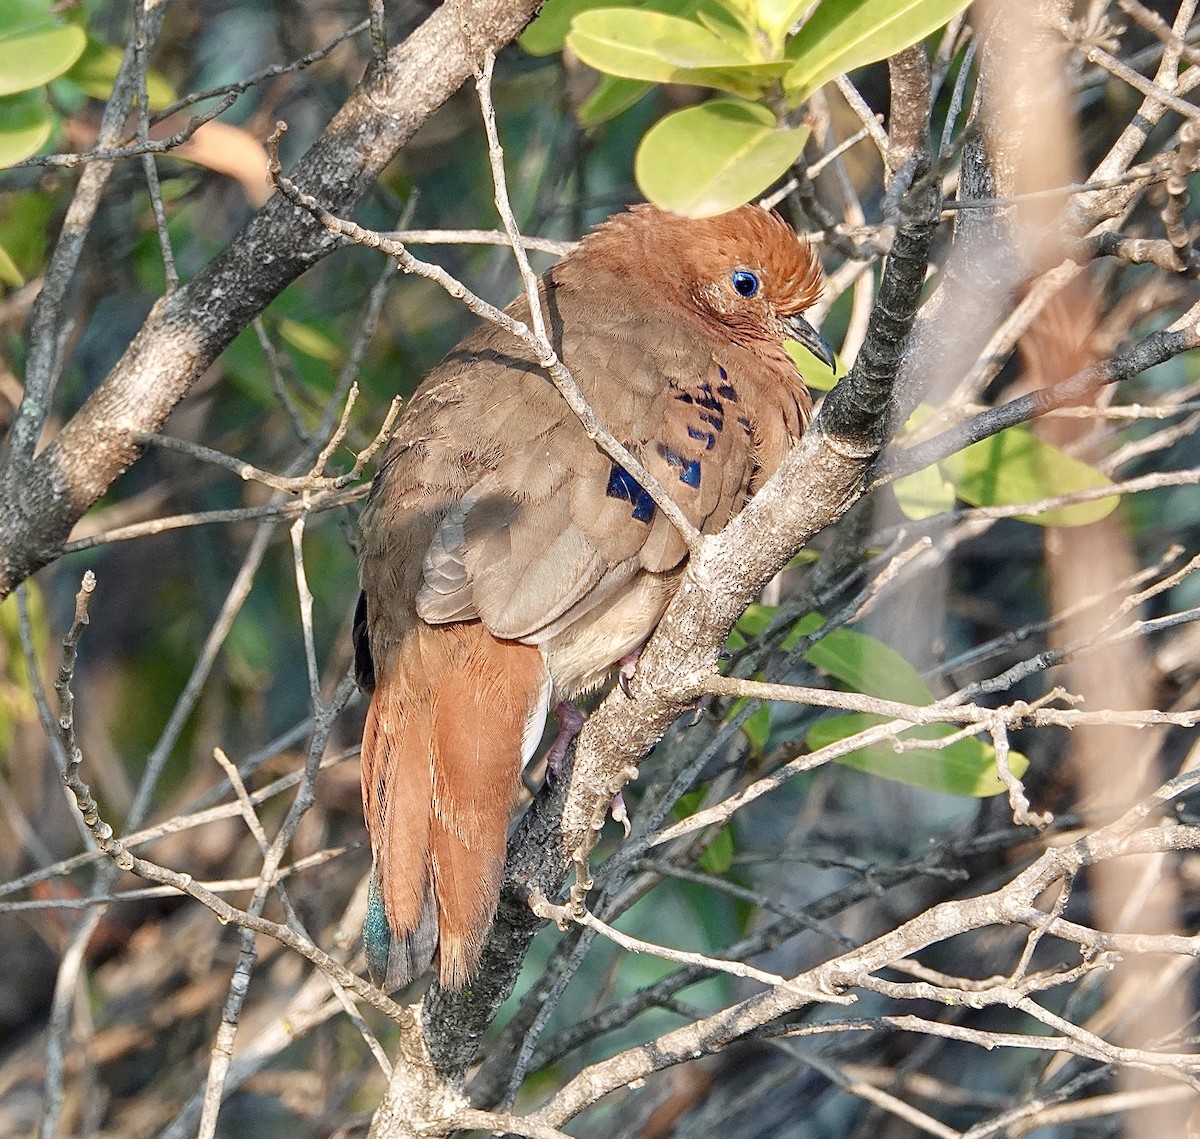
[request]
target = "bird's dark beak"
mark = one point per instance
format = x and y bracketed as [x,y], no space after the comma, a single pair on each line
[801,331]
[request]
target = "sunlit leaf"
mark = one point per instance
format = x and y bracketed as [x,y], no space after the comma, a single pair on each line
[661,48]
[304,338]
[924,493]
[776,17]
[96,70]
[816,373]
[547,33]
[965,767]
[865,664]
[744,13]
[25,126]
[612,95]
[713,157]
[32,55]
[1016,466]
[646,45]
[735,28]
[9,273]
[844,34]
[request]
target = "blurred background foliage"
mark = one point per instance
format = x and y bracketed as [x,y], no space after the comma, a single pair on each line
[161,967]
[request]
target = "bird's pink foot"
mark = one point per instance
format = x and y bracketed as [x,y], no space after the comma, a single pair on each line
[569,720]
[627,670]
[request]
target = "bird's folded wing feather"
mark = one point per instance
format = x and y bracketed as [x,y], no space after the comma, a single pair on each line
[538,520]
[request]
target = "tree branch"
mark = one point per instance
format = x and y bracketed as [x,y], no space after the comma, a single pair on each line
[41,502]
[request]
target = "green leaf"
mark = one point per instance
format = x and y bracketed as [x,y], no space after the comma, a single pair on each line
[9,273]
[734,27]
[752,623]
[924,493]
[304,338]
[756,619]
[609,99]
[1016,466]
[776,17]
[547,33]
[743,13]
[757,729]
[613,95]
[717,856]
[965,767]
[844,34]
[867,665]
[25,125]
[20,15]
[646,45]
[807,624]
[25,220]
[721,846]
[33,54]
[661,48]
[711,158]
[815,373]
[95,72]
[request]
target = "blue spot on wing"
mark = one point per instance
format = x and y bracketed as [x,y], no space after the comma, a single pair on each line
[689,469]
[622,485]
[724,374]
[708,400]
[710,440]
[727,391]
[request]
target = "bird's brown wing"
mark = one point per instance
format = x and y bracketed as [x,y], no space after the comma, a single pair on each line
[549,518]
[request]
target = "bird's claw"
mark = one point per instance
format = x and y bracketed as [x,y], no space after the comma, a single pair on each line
[620,812]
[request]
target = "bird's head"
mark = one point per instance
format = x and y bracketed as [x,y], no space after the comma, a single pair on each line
[746,270]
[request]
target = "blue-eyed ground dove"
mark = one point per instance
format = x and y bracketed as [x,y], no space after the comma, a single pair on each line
[506,561]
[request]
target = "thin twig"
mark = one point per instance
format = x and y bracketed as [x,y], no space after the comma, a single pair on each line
[476,237]
[564,916]
[142,65]
[312,481]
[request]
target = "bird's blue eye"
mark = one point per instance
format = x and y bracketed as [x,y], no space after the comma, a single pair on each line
[745,283]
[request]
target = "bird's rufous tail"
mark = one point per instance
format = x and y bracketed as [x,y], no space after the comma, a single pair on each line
[453,714]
